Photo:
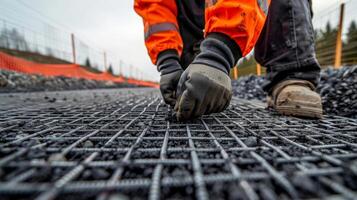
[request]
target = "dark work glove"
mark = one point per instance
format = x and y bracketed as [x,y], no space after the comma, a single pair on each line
[202,90]
[205,86]
[170,68]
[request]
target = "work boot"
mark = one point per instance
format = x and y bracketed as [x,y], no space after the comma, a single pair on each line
[296,98]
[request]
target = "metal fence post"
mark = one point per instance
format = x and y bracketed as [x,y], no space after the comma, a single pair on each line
[235,73]
[120,68]
[73,49]
[105,61]
[259,69]
[338,53]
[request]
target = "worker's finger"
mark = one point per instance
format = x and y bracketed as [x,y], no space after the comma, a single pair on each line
[168,93]
[181,86]
[229,97]
[220,103]
[204,105]
[214,99]
[177,103]
[219,107]
[169,98]
[200,109]
[213,108]
[185,107]
[210,104]
[223,98]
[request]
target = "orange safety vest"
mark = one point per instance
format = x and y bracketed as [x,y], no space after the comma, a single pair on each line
[242,20]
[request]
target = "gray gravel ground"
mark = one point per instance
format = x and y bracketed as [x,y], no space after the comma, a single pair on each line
[338,89]
[11,81]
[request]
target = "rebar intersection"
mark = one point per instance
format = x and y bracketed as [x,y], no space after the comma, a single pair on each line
[125,143]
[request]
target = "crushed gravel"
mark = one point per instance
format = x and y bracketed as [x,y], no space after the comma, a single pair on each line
[11,81]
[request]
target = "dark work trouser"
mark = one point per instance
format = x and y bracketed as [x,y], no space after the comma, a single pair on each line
[191,20]
[286,45]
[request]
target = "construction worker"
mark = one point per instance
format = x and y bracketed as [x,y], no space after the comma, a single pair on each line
[195,43]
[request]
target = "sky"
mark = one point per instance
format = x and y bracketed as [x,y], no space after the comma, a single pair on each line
[110,25]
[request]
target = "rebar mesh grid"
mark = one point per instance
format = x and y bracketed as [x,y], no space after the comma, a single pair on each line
[119,144]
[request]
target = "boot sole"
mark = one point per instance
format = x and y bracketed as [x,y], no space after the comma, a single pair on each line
[301,111]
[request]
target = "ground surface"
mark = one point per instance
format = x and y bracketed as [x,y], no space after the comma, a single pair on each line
[11,81]
[119,144]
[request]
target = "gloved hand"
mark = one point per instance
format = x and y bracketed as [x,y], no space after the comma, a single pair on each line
[168,86]
[170,68]
[202,90]
[205,86]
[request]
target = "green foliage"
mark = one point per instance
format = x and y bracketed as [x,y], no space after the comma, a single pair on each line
[349,53]
[326,45]
[13,39]
[352,30]
[325,41]
[248,66]
[87,63]
[110,69]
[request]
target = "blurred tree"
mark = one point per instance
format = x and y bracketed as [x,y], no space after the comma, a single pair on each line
[4,39]
[352,30]
[349,52]
[87,63]
[49,52]
[326,45]
[110,69]
[248,66]
[248,62]
[12,39]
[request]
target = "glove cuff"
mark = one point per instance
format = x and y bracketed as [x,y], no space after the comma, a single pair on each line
[219,51]
[168,62]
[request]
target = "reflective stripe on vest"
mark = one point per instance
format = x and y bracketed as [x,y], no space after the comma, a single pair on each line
[263,4]
[165,26]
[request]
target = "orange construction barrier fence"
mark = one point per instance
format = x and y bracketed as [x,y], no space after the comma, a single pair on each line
[13,63]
